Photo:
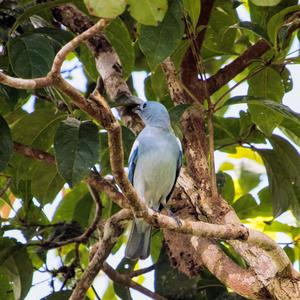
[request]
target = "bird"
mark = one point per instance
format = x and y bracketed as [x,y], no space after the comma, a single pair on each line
[153,168]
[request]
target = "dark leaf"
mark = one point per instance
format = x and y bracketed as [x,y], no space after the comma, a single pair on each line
[157,43]
[6,145]
[26,60]
[76,149]
[77,205]
[119,37]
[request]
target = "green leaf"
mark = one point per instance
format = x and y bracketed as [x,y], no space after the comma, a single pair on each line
[277,21]
[248,180]
[88,61]
[15,262]
[157,43]
[156,245]
[77,205]
[225,186]
[245,207]
[6,285]
[265,206]
[119,37]
[76,149]
[45,182]
[266,84]
[105,8]
[6,144]
[283,165]
[26,60]
[290,252]
[104,153]
[61,295]
[266,2]
[148,12]
[42,123]
[158,83]
[250,26]
[193,8]
[219,36]
[110,293]
[287,79]
[177,111]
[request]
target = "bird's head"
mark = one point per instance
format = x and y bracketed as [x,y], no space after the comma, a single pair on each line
[153,114]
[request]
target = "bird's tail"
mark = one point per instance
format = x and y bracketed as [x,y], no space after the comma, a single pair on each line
[138,245]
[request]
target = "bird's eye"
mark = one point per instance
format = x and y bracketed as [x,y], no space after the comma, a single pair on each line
[144,105]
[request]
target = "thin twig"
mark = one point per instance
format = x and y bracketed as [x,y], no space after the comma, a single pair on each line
[125,280]
[142,271]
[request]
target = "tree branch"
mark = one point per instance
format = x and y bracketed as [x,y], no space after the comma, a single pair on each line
[125,280]
[197,228]
[112,230]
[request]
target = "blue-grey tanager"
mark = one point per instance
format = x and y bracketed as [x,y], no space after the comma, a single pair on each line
[154,164]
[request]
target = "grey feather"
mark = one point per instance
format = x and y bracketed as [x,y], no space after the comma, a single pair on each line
[138,245]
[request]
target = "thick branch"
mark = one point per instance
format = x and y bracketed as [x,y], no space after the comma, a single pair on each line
[227,73]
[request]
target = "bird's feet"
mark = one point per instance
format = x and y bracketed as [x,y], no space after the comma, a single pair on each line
[173,216]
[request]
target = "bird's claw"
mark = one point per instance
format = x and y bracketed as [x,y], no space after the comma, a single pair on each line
[172,215]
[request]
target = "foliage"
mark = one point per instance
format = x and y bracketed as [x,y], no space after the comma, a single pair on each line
[143,33]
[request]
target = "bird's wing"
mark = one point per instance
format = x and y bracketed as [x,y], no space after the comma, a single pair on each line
[132,160]
[178,167]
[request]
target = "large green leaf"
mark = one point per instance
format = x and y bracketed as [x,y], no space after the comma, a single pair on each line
[148,12]
[42,124]
[15,263]
[119,37]
[266,2]
[5,144]
[157,43]
[219,35]
[31,55]
[230,131]
[76,149]
[105,8]
[266,84]
[77,205]
[283,165]
[193,8]
[45,182]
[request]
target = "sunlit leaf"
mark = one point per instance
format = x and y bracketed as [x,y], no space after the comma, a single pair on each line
[148,12]
[105,8]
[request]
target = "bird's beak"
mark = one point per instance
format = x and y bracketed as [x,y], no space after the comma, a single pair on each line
[137,109]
